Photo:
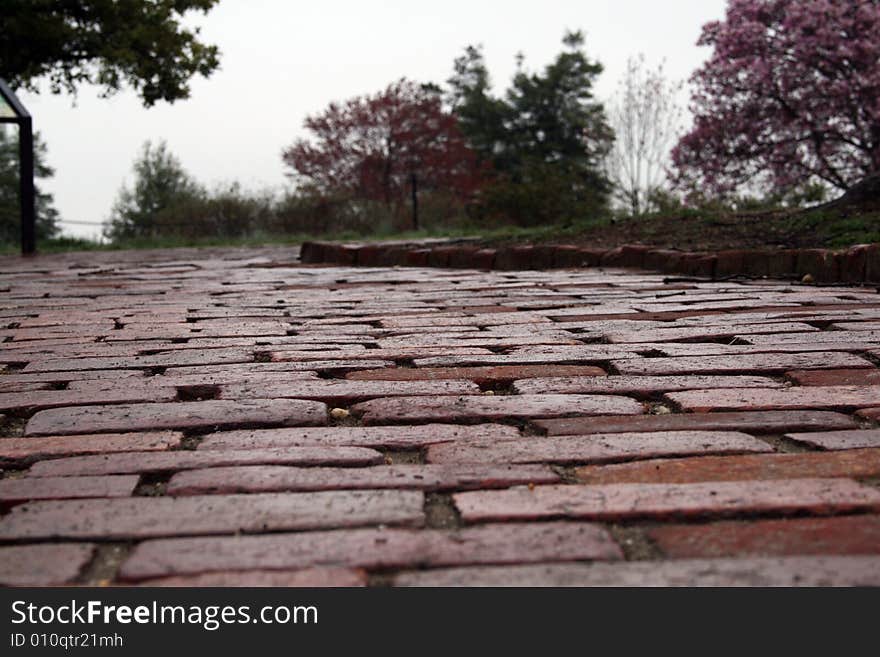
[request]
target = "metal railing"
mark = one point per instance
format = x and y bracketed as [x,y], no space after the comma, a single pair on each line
[27,198]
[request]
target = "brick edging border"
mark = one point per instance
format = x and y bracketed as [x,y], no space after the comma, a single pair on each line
[857,264]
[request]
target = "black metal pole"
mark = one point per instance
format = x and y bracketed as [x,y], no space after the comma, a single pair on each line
[415,201]
[26,186]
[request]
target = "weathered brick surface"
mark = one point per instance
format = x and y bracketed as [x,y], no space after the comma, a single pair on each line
[144,517]
[345,392]
[860,377]
[35,448]
[743,363]
[193,415]
[707,332]
[374,549]
[419,477]
[16,491]
[600,448]
[839,439]
[306,578]
[38,400]
[390,437]
[186,459]
[476,374]
[342,413]
[170,359]
[638,384]
[791,571]
[855,463]
[44,564]
[623,501]
[842,535]
[750,421]
[778,399]
[451,409]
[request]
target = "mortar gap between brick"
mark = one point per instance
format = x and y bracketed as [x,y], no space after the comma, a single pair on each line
[153,484]
[440,512]
[635,543]
[105,564]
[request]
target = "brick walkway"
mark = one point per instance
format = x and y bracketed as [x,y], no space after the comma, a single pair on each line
[230,417]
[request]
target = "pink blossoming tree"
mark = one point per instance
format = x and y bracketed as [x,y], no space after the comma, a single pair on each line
[790,96]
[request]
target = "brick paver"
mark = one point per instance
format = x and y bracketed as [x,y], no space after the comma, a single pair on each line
[749,467]
[757,422]
[231,418]
[375,548]
[841,535]
[43,564]
[307,577]
[444,409]
[622,501]
[793,571]
[599,448]
[420,477]
[145,517]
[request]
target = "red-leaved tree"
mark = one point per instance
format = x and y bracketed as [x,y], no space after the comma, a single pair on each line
[789,96]
[371,147]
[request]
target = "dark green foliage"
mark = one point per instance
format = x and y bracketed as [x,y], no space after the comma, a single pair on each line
[160,185]
[10,209]
[545,138]
[105,42]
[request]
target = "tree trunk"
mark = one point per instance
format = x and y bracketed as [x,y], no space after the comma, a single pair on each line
[864,195]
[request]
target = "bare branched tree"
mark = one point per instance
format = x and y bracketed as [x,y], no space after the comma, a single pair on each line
[646,117]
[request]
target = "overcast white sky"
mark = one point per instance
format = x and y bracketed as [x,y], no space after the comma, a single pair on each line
[282,60]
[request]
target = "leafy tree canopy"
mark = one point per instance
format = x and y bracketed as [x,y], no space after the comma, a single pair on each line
[370,146]
[10,209]
[547,132]
[160,183]
[110,43]
[789,97]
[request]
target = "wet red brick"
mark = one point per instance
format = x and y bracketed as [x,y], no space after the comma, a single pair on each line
[308,578]
[638,384]
[706,332]
[835,377]
[35,448]
[855,463]
[169,359]
[237,372]
[601,448]
[501,373]
[395,353]
[149,517]
[345,392]
[624,501]
[841,535]
[389,437]
[742,363]
[759,422]
[42,399]
[419,409]
[508,543]
[839,439]
[16,491]
[192,415]
[807,397]
[788,571]
[868,338]
[269,478]
[65,376]
[44,564]
[186,459]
